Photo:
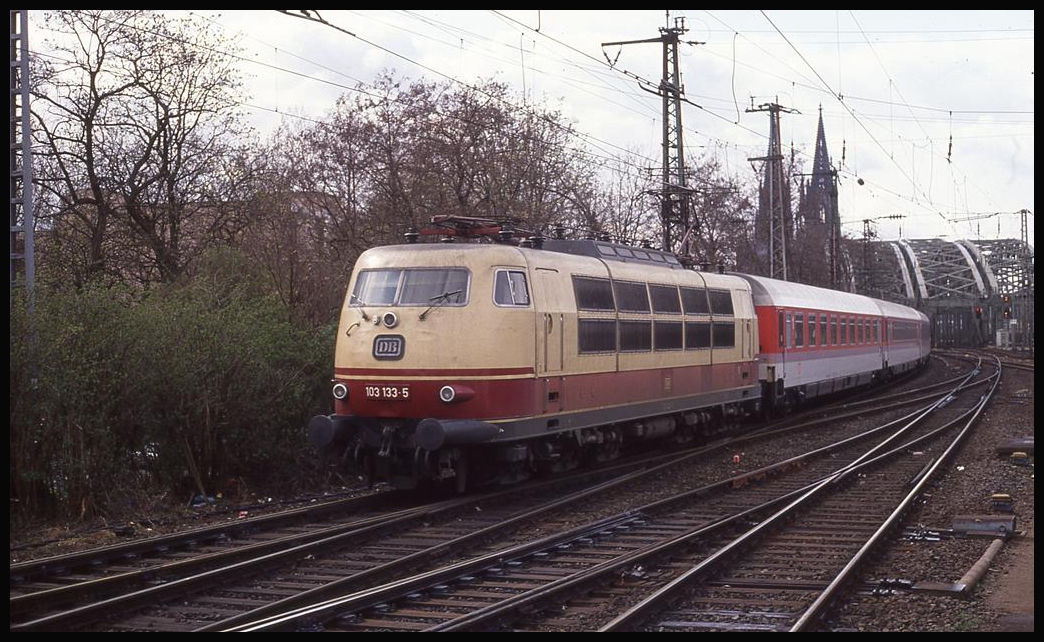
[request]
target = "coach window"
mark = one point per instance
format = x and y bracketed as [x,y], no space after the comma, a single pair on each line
[812,330]
[665,299]
[822,330]
[842,330]
[593,294]
[509,288]
[694,301]
[635,336]
[631,297]
[790,330]
[799,330]
[697,335]
[667,335]
[782,335]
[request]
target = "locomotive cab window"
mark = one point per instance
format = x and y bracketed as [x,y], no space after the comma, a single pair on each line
[412,286]
[509,288]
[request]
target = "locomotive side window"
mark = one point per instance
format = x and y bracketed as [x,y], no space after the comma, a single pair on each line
[631,297]
[694,301]
[635,336]
[509,288]
[593,294]
[665,299]
[697,335]
[720,301]
[667,335]
[447,286]
[724,334]
[597,335]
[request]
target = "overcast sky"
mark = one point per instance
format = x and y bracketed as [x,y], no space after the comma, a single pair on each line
[909,83]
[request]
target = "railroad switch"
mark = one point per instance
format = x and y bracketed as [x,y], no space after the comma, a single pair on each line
[985,525]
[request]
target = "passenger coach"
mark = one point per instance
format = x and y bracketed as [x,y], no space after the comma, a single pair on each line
[815,341]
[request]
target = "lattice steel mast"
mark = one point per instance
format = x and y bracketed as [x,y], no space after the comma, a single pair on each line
[22,268]
[774,207]
[676,216]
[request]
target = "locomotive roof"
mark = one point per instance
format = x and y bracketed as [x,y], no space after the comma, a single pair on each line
[613,252]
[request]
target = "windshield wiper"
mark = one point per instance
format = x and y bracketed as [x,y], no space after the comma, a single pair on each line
[361,311]
[439,300]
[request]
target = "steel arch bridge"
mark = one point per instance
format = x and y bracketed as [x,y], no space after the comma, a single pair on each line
[975,292]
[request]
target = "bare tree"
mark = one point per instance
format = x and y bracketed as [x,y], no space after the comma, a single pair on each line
[136,130]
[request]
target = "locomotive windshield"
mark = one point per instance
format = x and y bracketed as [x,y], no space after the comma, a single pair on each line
[415,286]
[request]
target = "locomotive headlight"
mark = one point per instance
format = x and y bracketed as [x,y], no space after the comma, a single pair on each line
[390,319]
[456,393]
[340,391]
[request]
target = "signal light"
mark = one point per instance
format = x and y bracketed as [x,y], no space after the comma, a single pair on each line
[978,312]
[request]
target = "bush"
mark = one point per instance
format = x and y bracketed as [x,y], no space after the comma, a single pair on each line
[178,390]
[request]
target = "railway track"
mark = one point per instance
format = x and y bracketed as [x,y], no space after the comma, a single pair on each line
[314,574]
[502,588]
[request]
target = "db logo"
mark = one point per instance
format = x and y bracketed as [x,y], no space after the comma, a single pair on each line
[388,347]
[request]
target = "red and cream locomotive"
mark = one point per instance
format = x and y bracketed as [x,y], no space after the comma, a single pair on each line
[483,361]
